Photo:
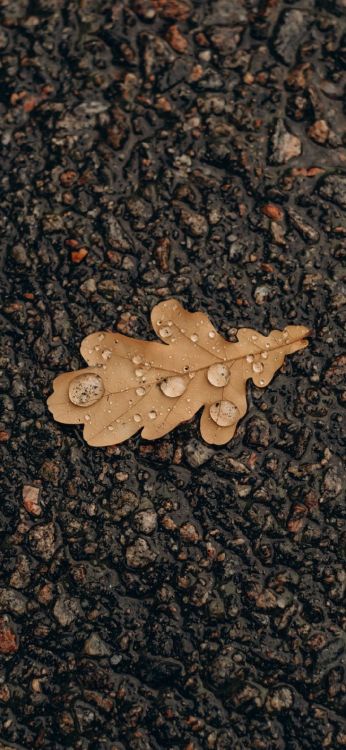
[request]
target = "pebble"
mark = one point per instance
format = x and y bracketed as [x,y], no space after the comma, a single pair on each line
[284,144]
[42,540]
[139,554]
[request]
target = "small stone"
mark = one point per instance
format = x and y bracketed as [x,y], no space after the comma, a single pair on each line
[139,554]
[95,646]
[281,699]
[66,609]
[305,230]
[257,434]
[284,144]
[319,132]
[31,500]
[288,33]
[42,540]
[197,453]
[176,39]
[332,482]
[9,642]
[12,601]
[336,372]
[145,521]
[332,187]
[189,533]
[195,223]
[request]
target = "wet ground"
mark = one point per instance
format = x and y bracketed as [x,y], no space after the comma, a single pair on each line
[172,594]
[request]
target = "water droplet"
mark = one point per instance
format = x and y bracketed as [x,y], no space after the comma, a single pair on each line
[257,367]
[169,323]
[194,337]
[173,387]
[264,355]
[152,414]
[254,338]
[140,391]
[165,332]
[249,358]
[87,417]
[137,417]
[106,354]
[192,375]
[137,359]
[218,375]
[224,413]
[139,373]
[182,330]
[262,381]
[86,389]
[110,427]
[211,334]
[186,368]
[100,337]
[267,345]
[97,348]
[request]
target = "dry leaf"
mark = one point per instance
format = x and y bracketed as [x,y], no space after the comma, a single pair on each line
[133,385]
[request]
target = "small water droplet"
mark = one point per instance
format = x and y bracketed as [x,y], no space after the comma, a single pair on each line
[169,323]
[186,368]
[97,348]
[249,358]
[110,427]
[139,373]
[140,391]
[137,359]
[224,413]
[211,334]
[86,389]
[267,345]
[192,375]
[182,330]
[262,381]
[165,332]
[194,337]
[152,414]
[87,417]
[254,338]
[100,337]
[173,386]
[218,375]
[264,355]
[106,354]
[137,417]
[257,367]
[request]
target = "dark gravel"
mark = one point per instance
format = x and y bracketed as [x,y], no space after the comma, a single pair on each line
[170,594]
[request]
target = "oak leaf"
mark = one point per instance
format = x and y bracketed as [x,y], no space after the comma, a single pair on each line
[133,385]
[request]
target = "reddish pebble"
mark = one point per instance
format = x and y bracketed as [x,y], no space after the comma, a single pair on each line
[8,639]
[176,39]
[273,211]
[30,500]
[78,255]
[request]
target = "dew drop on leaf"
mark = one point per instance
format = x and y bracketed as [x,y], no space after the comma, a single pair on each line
[249,358]
[211,334]
[139,373]
[257,367]
[137,359]
[264,355]
[218,375]
[194,337]
[165,332]
[85,390]
[152,414]
[140,391]
[173,387]
[137,417]
[106,354]
[224,413]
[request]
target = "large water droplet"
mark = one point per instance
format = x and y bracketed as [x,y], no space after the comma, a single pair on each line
[140,391]
[137,359]
[173,387]
[218,375]
[224,413]
[137,417]
[86,389]
[152,414]
[165,332]
[194,337]
[257,367]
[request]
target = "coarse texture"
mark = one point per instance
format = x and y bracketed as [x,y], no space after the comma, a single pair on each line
[132,384]
[170,594]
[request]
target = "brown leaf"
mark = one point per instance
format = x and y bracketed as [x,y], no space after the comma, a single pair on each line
[133,385]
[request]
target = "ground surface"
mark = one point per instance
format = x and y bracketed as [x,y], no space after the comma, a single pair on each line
[169,594]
